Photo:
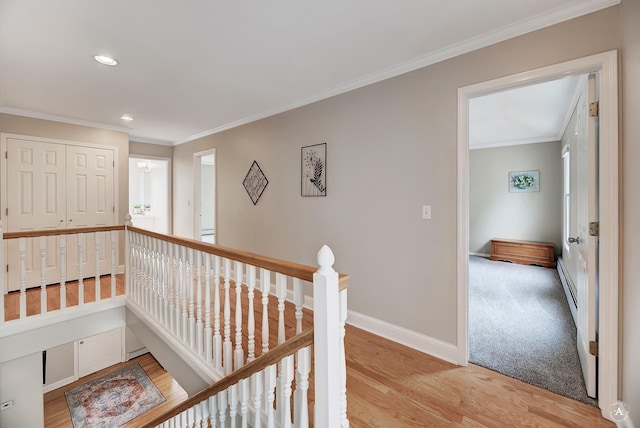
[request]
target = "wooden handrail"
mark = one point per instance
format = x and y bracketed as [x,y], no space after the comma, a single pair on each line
[292,269]
[262,362]
[295,270]
[54,232]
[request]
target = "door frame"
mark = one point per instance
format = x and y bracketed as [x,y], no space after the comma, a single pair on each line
[197,203]
[169,185]
[606,65]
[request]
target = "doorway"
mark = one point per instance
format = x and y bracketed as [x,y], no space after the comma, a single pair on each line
[205,196]
[149,193]
[605,65]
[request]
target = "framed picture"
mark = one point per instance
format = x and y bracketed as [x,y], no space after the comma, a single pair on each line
[524,181]
[313,180]
[255,182]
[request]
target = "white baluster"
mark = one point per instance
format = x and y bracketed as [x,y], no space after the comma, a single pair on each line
[228,350]
[326,321]
[166,281]
[239,352]
[217,337]
[244,402]
[176,288]
[208,351]
[213,411]
[298,300]
[80,269]
[222,407]
[300,400]
[257,389]
[199,321]
[281,294]
[192,311]
[98,243]
[251,322]
[183,291]
[22,250]
[344,422]
[43,275]
[233,404]
[265,287]
[168,248]
[284,392]
[270,384]
[113,239]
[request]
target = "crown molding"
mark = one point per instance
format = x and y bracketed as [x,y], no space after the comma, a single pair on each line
[62,119]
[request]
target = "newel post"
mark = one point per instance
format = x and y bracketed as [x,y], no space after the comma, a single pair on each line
[326,323]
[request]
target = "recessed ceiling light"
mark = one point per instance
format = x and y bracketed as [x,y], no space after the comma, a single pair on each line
[105,60]
[126,117]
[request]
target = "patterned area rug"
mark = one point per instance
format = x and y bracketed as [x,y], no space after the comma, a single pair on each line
[114,399]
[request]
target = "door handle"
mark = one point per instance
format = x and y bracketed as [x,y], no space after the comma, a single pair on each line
[573,240]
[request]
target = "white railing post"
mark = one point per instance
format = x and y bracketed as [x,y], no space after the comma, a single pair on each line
[113,235]
[3,276]
[98,244]
[80,269]
[63,272]
[326,315]
[128,270]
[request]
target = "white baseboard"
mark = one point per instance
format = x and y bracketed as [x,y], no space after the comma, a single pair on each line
[135,354]
[59,384]
[428,345]
[485,255]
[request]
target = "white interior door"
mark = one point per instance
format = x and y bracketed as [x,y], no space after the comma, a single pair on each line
[36,200]
[89,203]
[55,185]
[587,203]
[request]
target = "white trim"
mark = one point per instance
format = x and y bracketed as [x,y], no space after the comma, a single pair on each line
[428,345]
[59,384]
[493,144]
[197,203]
[606,64]
[62,119]
[485,255]
[135,354]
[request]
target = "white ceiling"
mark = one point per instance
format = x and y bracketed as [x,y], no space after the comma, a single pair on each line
[193,67]
[531,114]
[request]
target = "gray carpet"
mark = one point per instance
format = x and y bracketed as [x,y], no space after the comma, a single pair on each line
[520,325]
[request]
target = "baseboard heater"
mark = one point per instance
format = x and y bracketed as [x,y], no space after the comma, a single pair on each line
[569,288]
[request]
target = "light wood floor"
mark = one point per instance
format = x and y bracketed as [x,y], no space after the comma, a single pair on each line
[390,385]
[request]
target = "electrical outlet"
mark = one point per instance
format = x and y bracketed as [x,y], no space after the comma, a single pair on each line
[426,212]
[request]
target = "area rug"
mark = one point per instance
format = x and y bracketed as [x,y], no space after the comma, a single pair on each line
[520,325]
[114,399]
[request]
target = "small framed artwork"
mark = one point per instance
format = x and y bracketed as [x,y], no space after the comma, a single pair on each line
[524,181]
[314,170]
[255,182]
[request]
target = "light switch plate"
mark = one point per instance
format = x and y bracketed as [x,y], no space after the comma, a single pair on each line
[426,212]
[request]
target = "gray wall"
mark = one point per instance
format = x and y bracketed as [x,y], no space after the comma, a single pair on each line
[391,149]
[494,212]
[60,363]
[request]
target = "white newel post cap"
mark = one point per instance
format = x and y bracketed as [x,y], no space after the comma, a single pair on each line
[127,219]
[326,259]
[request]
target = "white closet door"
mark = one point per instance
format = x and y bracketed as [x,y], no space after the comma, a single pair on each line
[36,199]
[90,203]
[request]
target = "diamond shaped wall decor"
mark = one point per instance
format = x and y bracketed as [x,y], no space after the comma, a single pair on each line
[255,182]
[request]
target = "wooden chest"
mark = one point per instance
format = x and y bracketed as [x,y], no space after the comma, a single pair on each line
[523,252]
